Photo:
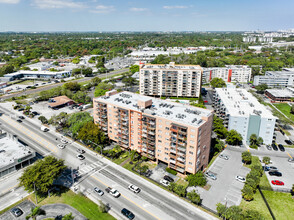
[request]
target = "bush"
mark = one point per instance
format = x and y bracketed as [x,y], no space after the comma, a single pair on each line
[246,157]
[194,197]
[247,192]
[292,190]
[171,171]
[197,179]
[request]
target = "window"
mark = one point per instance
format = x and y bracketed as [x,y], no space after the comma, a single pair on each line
[160,131]
[190,163]
[159,150]
[160,126]
[192,147]
[192,136]
[192,130]
[192,142]
[166,133]
[165,158]
[190,152]
[167,123]
[159,136]
[166,149]
[159,141]
[167,128]
[166,153]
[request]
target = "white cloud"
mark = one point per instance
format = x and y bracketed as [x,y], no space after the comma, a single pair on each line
[175,7]
[10,1]
[103,9]
[50,4]
[138,9]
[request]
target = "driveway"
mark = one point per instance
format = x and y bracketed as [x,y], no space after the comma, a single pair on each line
[25,206]
[225,189]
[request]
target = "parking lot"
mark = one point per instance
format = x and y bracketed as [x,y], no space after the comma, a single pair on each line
[287,170]
[24,206]
[225,189]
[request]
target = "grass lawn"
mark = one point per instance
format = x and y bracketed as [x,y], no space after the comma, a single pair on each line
[281,204]
[149,164]
[124,156]
[256,204]
[285,108]
[183,182]
[84,205]
[290,146]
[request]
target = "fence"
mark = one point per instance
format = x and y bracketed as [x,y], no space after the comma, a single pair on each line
[266,203]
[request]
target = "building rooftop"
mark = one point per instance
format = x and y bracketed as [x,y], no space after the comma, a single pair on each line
[177,112]
[282,93]
[60,100]
[12,150]
[171,65]
[34,72]
[279,73]
[239,102]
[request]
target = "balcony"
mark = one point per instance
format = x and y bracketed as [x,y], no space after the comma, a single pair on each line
[144,149]
[181,159]
[173,151]
[151,152]
[182,149]
[172,161]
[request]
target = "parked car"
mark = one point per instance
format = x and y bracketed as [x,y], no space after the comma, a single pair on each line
[277,182]
[274,146]
[81,151]
[272,168]
[63,141]
[61,146]
[275,173]
[289,142]
[98,191]
[210,175]
[148,173]
[20,109]
[269,147]
[281,147]
[16,212]
[164,182]
[80,156]
[168,178]
[291,160]
[21,117]
[265,168]
[225,157]
[127,213]
[241,179]
[19,121]
[35,113]
[134,188]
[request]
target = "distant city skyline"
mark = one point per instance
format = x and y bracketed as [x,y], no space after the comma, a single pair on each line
[142,15]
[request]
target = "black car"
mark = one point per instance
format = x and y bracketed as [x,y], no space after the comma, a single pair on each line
[21,117]
[274,173]
[20,109]
[16,212]
[19,121]
[168,178]
[35,113]
[127,213]
[265,168]
[289,142]
[281,147]
[274,146]
[148,173]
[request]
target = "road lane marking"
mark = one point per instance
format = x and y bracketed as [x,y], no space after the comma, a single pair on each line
[4,191]
[29,133]
[127,199]
[289,155]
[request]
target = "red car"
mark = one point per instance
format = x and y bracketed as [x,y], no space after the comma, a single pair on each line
[277,182]
[205,101]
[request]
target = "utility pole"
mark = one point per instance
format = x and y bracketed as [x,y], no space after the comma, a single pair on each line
[35,193]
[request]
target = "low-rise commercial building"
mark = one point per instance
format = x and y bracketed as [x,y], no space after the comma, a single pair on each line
[170,80]
[28,74]
[60,101]
[230,73]
[276,79]
[13,154]
[280,95]
[172,133]
[242,112]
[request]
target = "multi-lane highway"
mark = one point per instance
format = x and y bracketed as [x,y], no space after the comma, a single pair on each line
[151,203]
[43,88]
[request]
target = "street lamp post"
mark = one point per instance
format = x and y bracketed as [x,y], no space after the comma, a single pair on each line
[97,146]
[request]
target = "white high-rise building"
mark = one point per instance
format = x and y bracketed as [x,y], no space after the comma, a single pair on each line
[242,112]
[170,80]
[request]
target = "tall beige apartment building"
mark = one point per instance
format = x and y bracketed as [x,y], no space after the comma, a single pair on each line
[170,80]
[175,134]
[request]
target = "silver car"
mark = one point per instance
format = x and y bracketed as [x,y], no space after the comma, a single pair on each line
[225,157]
[210,175]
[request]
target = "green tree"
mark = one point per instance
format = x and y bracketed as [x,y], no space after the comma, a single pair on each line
[261,88]
[95,81]
[134,68]
[172,186]
[197,179]
[76,60]
[43,119]
[246,157]
[77,120]
[35,212]
[255,141]
[292,109]
[194,197]
[6,69]
[102,207]
[219,128]
[252,215]
[292,190]
[234,213]
[217,83]
[99,92]
[143,169]
[42,173]
[60,119]
[180,190]
[234,138]
[91,132]
[221,209]
[252,183]
[247,192]
[72,86]
[266,160]
[81,97]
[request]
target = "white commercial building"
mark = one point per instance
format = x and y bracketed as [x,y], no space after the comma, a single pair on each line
[230,73]
[278,79]
[241,111]
[29,74]
[170,80]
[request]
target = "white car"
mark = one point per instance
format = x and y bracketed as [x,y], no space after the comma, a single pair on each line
[164,182]
[63,141]
[98,191]
[80,156]
[134,188]
[81,151]
[61,146]
[225,157]
[241,179]
[114,193]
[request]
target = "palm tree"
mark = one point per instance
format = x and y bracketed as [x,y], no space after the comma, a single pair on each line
[35,212]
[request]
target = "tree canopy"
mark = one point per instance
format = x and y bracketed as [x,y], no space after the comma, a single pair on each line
[234,138]
[217,83]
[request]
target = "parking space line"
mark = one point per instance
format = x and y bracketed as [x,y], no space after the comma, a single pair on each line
[289,155]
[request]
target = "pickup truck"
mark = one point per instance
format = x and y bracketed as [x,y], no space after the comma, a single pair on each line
[112,192]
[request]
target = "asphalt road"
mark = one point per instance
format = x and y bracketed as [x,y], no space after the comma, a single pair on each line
[31,91]
[151,203]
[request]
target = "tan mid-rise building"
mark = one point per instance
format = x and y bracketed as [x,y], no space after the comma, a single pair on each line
[175,134]
[170,80]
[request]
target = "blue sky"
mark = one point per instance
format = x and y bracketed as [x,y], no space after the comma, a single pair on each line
[145,15]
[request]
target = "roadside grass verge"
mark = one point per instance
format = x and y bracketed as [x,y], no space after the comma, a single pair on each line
[10,207]
[285,108]
[81,203]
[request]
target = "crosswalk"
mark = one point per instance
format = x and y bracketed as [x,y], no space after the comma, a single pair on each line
[87,168]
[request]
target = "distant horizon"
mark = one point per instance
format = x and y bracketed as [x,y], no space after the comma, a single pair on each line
[143,16]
